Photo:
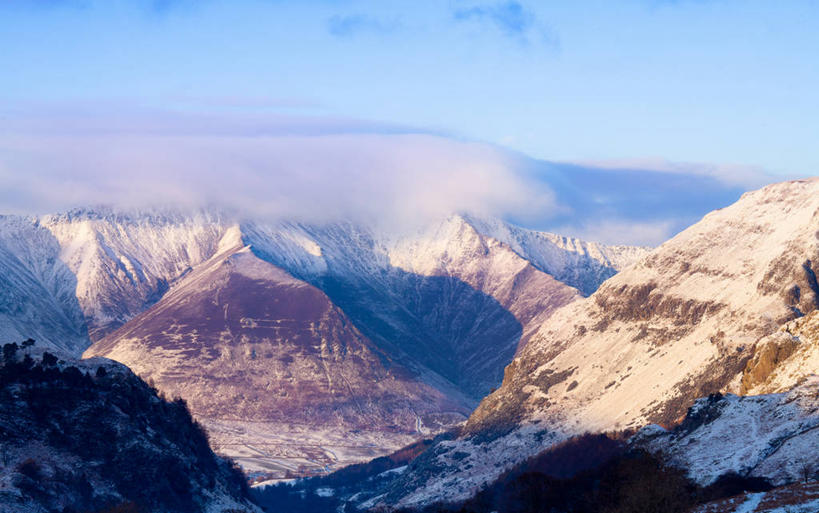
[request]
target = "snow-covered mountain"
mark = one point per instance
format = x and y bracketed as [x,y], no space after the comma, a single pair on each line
[37,289]
[441,295]
[430,315]
[123,263]
[699,314]
[71,278]
[243,341]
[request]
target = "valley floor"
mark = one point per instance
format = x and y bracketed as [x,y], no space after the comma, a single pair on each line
[269,450]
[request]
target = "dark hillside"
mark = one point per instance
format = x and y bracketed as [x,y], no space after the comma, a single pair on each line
[79,436]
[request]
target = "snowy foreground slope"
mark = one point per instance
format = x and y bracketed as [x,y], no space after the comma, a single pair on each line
[772,436]
[432,315]
[695,316]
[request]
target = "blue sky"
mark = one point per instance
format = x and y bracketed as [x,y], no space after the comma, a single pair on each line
[726,86]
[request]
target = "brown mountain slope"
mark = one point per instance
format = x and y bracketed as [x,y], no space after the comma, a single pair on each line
[243,341]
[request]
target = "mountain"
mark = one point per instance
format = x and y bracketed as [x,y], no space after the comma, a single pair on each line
[72,278]
[432,314]
[244,342]
[444,292]
[91,436]
[697,315]
[37,297]
[430,318]
[123,263]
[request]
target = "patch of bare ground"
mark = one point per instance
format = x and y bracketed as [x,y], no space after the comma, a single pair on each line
[796,498]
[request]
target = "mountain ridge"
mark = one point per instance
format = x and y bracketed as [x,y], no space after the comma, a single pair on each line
[448,303]
[682,322]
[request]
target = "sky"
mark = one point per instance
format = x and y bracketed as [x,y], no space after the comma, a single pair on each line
[502,102]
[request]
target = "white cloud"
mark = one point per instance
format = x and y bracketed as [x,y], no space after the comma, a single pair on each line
[397,178]
[321,168]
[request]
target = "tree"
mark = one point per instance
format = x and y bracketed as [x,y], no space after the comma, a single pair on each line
[10,352]
[28,343]
[806,470]
[49,359]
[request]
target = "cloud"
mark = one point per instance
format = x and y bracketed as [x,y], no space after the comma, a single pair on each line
[305,172]
[511,18]
[354,24]
[329,169]
[628,205]
[234,117]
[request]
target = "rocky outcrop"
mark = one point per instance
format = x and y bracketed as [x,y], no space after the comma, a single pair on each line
[783,358]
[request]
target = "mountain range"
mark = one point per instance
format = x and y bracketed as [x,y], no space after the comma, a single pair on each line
[300,347]
[303,348]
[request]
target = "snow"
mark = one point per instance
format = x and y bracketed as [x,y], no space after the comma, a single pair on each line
[393,471]
[766,436]
[715,290]
[72,279]
[751,502]
[84,273]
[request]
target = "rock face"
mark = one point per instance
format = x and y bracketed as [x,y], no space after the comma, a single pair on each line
[90,435]
[784,357]
[683,322]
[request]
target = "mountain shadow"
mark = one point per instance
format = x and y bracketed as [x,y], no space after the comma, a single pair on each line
[439,322]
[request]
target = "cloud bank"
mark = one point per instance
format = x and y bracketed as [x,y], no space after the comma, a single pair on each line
[315,170]
[324,169]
